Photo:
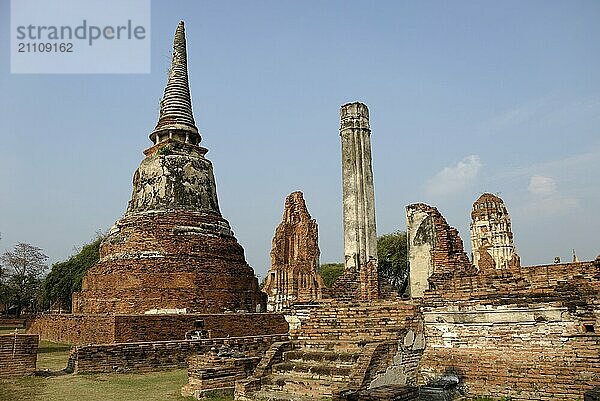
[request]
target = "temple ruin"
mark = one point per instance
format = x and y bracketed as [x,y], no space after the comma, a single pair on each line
[491,234]
[173,250]
[293,276]
[487,327]
[170,268]
[433,247]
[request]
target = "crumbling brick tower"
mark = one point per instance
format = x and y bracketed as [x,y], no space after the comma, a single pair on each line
[491,234]
[293,275]
[172,249]
[360,234]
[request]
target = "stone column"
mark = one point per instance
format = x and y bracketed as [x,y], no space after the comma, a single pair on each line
[360,235]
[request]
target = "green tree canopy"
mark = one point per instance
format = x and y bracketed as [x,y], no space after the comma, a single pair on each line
[65,277]
[22,270]
[330,272]
[392,253]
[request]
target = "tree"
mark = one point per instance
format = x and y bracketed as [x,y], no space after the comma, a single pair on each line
[330,272]
[65,277]
[392,253]
[25,264]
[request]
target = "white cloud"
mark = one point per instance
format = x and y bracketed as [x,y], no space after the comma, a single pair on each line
[546,200]
[455,178]
[541,186]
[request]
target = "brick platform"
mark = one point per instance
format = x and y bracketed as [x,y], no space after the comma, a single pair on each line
[157,355]
[18,354]
[105,329]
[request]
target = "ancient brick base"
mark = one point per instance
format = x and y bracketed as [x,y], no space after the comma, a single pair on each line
[523,353]
[340,348]
[106,329]
[18,354]
[158,355]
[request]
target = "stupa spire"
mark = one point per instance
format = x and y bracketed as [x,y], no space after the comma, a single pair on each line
[176,118]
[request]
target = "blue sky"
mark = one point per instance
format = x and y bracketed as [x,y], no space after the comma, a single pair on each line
[465,97]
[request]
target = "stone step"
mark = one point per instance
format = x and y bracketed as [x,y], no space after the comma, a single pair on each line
[325,345]
[321,356]
[312,370]
[295,386]
[265,395]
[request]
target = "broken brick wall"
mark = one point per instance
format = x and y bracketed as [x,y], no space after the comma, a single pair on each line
[526,332]
[18,354]
[524,354]
[354,323]
[158,355]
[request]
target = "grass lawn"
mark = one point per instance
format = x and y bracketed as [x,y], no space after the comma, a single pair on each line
[154,386]
[52,356]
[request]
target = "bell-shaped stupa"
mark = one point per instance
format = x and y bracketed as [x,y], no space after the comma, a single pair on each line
[172,250]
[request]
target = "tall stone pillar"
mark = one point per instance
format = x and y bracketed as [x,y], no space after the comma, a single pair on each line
[360,235]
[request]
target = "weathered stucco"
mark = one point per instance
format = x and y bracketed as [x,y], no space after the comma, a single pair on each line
[360,234]
[175,176]
[421,236]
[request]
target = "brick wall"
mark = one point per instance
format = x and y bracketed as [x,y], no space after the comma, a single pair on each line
[524,355]
[158,355]
[106,329]
[74,329]
[353,322]
[575,283]
[18,354]
[12,322]
[214,375]
[164,327]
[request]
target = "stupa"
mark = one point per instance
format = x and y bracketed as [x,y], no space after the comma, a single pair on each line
[172,250]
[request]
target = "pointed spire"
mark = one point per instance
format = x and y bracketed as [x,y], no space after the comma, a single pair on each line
[176,118]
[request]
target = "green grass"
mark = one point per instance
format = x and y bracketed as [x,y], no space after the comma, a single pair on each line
[154,386]
[52,356]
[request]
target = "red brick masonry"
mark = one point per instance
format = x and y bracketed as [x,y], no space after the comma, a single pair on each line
[18,354]
[104,329]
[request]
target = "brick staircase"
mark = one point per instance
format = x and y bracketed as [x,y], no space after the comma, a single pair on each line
[336,351]
[299,372]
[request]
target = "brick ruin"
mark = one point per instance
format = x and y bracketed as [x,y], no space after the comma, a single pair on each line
[293,276]
[434,248]
[492,330]
[491,234]
[487,327]
[171,266]
[172,250]
[18,354]
[525,332]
